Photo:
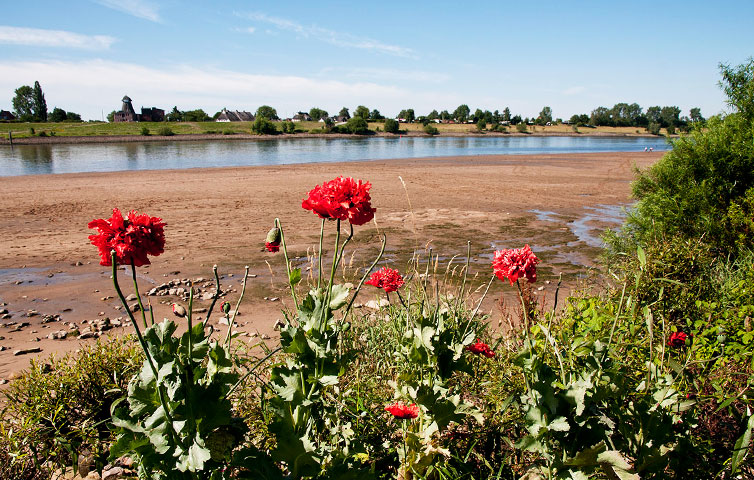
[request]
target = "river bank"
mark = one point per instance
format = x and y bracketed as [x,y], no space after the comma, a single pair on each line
[556,203]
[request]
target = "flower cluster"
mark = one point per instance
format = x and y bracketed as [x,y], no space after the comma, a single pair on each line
[481,348]
[403,411]
[386,278]
[343,199]
[132,238]
[679,339]
[515,263]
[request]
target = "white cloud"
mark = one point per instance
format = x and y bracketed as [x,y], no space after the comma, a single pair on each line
[91,87]
[137,8]
[332,37]
[53,38]
[245,30]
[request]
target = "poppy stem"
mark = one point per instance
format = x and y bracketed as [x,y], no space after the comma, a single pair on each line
[138,296]
[215,296]
[288,263]
[319,252]
[366,274]
[238,304]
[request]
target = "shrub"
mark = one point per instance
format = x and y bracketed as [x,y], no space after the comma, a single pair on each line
[262,126]
[521,127]
[653,128]
[288,127]
[144,131]
[165,132]
[228,132]
[357,126]
[431,130]
[670,129]
[481,125]
[391,126]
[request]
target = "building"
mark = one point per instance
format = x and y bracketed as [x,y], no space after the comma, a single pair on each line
[6,115]
[301,117]
[128,114]
[234,116]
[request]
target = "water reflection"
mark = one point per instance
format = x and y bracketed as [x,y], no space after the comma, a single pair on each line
[40,159]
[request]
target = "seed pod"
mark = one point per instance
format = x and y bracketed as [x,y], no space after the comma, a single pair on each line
[346,327]
[178,310]
[273,236]
[225,307]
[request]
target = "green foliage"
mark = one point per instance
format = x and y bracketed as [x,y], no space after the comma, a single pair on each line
[430,129]
[461,114]
[361,111]
[145,131]
[267,112]
[391,126]
[57,115]
[481,125]
[197,115]
[39,104]
[23,103]
[317,113]
[653,128]
[165,132]
[288,127]
[59,408]
[357,126]
[521,127]
[262,126]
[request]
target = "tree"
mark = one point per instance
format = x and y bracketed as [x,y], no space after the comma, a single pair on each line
[57,115]
[376,115]
[670,116]
[516,119]
[507,114]
[461,114]
[265,111]
[317,114]
[481,125]
[545,116]
[39,105]
[433,115]
[344,113]
[357,125]
[72,117]
[391,126]
[478,115]
[361,111]
[653,114]
[262,126]
[111,116]
[407,115]
[696,115]
[445,115]
[601,116]
[23,103]
[197,115]
[175,115]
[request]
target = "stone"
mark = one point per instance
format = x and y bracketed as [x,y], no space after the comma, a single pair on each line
[3,311]
[207,296]
[223,321]
[199,310]
[134,307]
[376,305]
[112,474]
[264,336]
[25,351]
[6,316]
[58,335]
[132,298]
[50,318]
[278,325]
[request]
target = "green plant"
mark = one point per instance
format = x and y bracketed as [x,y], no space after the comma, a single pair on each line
[144,131]
[357,126]
[391,126]
[263,126]
[521,127]
[431,130]
[165,132]
[654,128]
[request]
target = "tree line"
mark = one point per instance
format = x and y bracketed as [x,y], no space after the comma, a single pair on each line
[30,105]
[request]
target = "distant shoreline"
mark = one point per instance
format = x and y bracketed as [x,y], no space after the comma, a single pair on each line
[52,140]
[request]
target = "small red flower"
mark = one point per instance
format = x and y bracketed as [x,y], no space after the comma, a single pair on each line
[272,242]
[678,339]
[480,348]
[515,263]
[272,247]
[403,411]
[132,238]
[343,199]
[386,278]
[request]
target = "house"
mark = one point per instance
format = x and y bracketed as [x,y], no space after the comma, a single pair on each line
[152,115]
[6,115]
[301,117]
[234,116]
[126,113]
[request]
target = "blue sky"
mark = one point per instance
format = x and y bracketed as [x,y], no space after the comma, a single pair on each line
[572,56]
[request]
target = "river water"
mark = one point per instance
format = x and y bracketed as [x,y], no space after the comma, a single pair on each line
[111,157]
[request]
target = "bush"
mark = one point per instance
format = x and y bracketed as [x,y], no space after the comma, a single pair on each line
[144,131]
[357,126]
[431,130]
[481,125]
[288,127]
[521,127]
[165,132]
[263,126]
[670,129]
[653,128]
[391,126]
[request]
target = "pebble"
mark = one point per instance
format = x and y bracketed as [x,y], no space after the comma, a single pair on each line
[278,325]
[27,350]
[264,336]
[132,298]
[376,305]
[77,264]
[113,473]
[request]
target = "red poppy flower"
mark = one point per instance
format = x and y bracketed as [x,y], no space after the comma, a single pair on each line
[132,238]
[515,263]
[272,247]
[678,339]
[386,278]
[272,242]
[480,348]
[403,411]
[343,199]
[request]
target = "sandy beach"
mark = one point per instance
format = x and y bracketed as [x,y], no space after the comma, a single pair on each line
[221,215]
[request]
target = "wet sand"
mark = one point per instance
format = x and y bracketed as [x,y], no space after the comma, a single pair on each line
[221,215]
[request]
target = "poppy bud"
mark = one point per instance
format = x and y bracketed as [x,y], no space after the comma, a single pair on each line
[346,326]
[273,236]
[225,307]
[178,310]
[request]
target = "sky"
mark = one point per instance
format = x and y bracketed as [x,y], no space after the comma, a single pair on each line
[389,55]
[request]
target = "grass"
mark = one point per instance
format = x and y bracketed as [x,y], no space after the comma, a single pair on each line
[85,129]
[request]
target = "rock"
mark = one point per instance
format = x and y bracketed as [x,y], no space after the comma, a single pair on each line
[67,310]
[3,311]
[2,348]
[58,335]
[223,321]
[113,473]
[115,322]
[199,310]
[207,296]
[6,316]
[274,299]
[376,305]
[77,264]
[134,307]
[278,325]
[32,313]
[132,298]
[86,464]
[264,336]
[3,381]
[25,351]
[50,318]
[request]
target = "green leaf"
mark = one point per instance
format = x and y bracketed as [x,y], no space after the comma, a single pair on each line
[295,276]
[742,446]
[560,424]
[329,380]
[642,257]
[194,459]
[338,296]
